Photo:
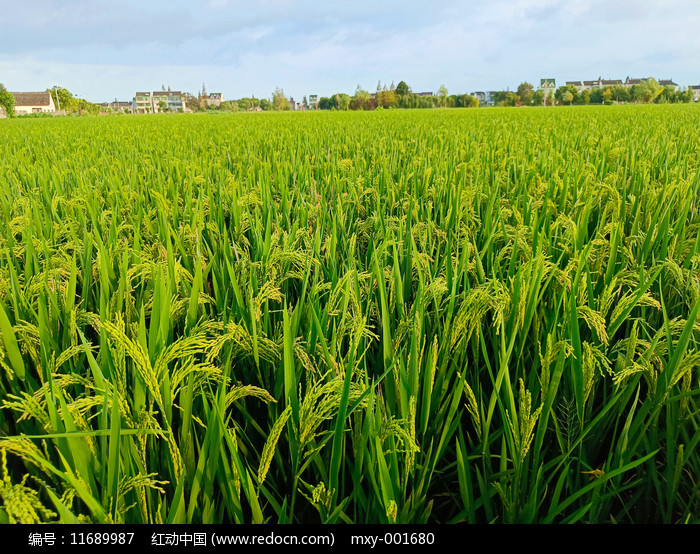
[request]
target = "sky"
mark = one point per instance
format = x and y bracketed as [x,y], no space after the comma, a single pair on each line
[101,50]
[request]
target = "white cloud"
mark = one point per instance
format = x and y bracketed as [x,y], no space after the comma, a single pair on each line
[243,47]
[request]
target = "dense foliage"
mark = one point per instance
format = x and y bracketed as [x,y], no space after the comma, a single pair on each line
[437,316]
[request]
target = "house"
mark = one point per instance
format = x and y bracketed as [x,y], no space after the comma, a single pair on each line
[669,82]
[486,98]
[629,82]
[696,92]
[174,101]
[215,99]
[33,102]
[150,102]
[480,95]
[424,94]
[119,107]
[605,83]
[577,84]
[143,102]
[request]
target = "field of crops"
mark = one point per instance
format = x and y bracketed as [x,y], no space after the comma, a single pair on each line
[436,316]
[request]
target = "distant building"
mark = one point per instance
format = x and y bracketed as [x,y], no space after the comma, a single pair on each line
[213,99]
[597,83]
[174,101]
[663,82]
[485,98]
[143,102]
[150,102]
[119,107]
[424,94]
[480,95]
[696,92]
[669,82]
[33,102]
[601,83]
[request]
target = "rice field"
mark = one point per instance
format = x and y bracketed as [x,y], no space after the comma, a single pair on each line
[415,317]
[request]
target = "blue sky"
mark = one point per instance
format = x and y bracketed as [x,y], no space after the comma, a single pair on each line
[105,49]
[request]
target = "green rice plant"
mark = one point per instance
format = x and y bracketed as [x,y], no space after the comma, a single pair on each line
[387,317]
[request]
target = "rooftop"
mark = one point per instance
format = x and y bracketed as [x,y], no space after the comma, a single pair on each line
[32,98]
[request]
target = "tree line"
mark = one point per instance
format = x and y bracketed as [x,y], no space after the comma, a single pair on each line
[647,92]
[399,96]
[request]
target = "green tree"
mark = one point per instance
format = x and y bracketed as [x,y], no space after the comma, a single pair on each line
[162,106]
[586,96]
[464,101]
[597,96]
[228,106]
[567,97]
[244,104]
[562,90]
[7,101]
[507,98]
[192,103]
[63,99]
[341,101]
[620,93]
[646,91]
[538,97]
[526,91]
[607,95]
[361,99]
[280,101]
[402,89]
[386,99]
[686,96]
[667,95]
[442,93]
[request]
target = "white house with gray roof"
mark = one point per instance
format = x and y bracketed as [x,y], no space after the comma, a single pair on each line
[33,102]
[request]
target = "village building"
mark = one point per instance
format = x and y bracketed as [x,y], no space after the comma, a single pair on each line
[669,82]
[215,99]
[174,101]
[119,107]
[601,83]
[143,102]
[159,101]
[696,92]
[33,102]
